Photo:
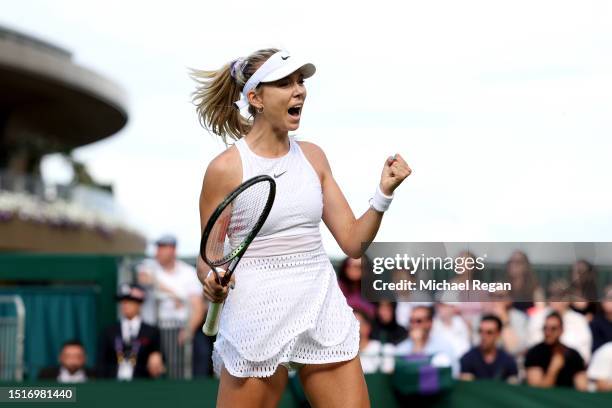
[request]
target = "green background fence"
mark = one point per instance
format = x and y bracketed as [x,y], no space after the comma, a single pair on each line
[72,296]
[65,297]
[202,394]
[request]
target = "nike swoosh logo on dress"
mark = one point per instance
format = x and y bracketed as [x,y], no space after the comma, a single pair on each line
[278,175]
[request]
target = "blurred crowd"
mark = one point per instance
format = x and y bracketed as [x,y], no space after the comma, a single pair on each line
[551,337]
[546,339]
[161,312]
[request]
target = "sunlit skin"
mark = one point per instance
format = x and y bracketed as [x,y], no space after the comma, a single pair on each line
[331,385]
[276,98]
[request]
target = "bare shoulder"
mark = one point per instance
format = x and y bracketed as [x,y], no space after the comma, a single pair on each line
[311,148]
[316,156]
[224,172]
[226,161]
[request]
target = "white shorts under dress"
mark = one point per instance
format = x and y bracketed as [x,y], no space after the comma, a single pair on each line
[286,307]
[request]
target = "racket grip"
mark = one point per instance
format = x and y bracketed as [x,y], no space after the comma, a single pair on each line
[211,326]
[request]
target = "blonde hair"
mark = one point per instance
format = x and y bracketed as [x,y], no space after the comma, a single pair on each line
[216,92]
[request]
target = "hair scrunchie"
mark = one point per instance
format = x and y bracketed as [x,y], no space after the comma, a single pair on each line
[235,64]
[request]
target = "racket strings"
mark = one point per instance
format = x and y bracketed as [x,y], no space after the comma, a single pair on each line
[236,222]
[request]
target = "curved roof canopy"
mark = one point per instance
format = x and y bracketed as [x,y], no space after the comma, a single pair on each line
[46,93]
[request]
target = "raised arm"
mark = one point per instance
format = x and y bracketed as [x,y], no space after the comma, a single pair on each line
[537,377]
[348,231]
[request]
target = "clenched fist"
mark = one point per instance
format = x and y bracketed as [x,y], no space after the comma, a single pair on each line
[394,172]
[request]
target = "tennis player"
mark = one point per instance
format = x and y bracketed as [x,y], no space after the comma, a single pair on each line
[286,311]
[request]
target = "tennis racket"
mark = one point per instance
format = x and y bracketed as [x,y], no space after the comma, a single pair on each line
[230,230]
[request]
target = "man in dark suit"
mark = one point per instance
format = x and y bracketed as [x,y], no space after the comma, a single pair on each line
[72,368]
[130,348]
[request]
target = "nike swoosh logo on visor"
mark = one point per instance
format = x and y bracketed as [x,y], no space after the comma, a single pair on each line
[284,58]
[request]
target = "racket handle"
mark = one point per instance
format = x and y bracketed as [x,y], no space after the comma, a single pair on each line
[211,326]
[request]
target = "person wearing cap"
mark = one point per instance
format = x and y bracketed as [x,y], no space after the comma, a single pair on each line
[130,348]
[181,301]
[295,316]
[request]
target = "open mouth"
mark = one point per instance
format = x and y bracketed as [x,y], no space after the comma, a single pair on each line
[295,111]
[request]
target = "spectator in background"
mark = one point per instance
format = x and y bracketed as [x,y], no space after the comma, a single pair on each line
[177,281]
[450,326]
[552,363]
[349,280]
[421,341]
[601,325]
[130,348]
[576,333]
[526,291]
[72,368]
[369,350]
[584,284]
[385,329]
[584,278]
[600,369]
[408,299]
[514,322]
[468,303]
[487,361]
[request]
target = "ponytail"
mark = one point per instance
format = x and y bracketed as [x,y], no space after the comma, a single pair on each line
[216,92]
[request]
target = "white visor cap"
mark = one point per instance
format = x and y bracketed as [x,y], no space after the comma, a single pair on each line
[279,65]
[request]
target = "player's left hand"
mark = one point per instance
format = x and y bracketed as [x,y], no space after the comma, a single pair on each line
[394,172]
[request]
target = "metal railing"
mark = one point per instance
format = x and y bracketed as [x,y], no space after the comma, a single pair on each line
[35,187]
[177,356]
[12,335]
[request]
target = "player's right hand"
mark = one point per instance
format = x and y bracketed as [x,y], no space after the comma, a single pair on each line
[213,291]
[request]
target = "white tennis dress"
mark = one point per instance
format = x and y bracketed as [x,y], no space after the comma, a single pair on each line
[286,306]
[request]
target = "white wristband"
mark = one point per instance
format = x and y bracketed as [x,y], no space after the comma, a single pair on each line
[380,202]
